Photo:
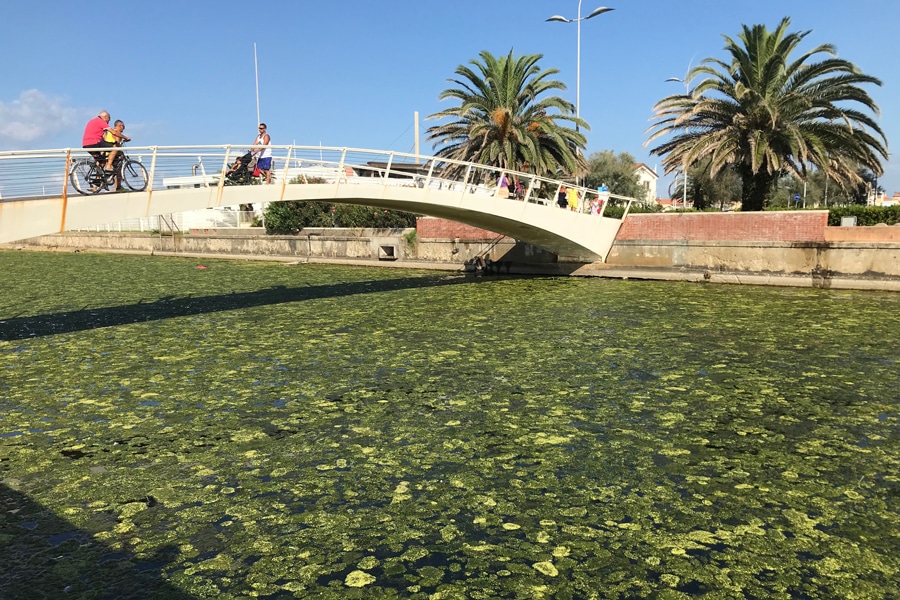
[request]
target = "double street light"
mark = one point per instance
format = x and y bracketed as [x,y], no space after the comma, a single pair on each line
[596,12]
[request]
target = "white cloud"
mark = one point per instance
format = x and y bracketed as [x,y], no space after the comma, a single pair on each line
[34,116]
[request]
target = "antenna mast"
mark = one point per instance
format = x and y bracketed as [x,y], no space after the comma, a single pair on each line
[416,129]
[256,69]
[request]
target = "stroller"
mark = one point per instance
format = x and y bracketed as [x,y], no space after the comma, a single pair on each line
[241,171]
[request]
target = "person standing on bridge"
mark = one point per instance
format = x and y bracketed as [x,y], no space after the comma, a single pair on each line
[572,199]
[561,197]
[503,186]
[261,147]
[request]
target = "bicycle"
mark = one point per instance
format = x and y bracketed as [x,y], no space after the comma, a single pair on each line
[89,177]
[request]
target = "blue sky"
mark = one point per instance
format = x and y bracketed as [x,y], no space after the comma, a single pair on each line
[354,73]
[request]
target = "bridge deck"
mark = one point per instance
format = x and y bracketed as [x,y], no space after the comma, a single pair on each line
[38,198]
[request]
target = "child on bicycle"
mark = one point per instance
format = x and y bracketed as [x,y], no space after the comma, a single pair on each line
[116,137]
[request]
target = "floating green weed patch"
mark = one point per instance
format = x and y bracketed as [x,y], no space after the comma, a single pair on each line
[273,431]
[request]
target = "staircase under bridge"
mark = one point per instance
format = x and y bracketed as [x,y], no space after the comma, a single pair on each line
[37,196]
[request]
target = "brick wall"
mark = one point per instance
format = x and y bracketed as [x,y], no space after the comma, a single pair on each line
[781,226]
[430,228]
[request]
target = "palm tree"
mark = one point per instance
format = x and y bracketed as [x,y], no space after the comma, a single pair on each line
[503,120]
[768,115]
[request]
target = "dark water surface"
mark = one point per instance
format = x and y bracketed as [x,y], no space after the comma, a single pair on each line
[262,430]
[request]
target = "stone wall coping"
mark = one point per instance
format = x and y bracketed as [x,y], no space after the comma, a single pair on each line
[745,244]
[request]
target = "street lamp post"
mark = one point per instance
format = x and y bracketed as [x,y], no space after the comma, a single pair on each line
[684,176]
[596,12]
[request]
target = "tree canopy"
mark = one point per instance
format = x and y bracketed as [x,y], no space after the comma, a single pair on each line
[615,172]
[705,191]
[767,113]
[505,117]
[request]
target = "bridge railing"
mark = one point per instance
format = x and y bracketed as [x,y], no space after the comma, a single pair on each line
[44,173]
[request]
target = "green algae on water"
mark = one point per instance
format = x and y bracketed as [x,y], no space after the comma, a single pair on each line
[263,430]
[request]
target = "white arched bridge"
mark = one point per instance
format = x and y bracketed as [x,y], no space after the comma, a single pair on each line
[37,196]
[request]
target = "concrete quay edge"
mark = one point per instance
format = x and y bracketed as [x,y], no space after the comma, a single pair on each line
[597,269]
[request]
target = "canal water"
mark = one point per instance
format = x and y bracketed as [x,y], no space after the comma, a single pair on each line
[177,428]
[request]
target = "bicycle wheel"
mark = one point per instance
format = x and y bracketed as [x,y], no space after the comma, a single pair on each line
[84,177]
[134,175]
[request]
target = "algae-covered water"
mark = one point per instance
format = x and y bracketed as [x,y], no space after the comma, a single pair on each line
[305,431]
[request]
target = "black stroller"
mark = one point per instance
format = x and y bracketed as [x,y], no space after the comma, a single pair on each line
[241,171]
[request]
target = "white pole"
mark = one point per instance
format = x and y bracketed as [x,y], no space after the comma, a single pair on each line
[578,72]
[416,119]
[256,69]
[578,67]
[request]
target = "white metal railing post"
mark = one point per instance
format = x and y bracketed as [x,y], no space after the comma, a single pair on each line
[224,167]
[386,175]
[337,180]
[387,172]
[527,197]
[341,162]
[202,171]
[220,187]
[430,174]
[287,165]
[152,170]
[65,190]
[465,182]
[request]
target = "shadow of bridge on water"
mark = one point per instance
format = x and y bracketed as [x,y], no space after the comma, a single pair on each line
[27,327]
[44,556]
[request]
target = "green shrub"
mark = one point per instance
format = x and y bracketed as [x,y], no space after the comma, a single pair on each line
[615,211]
[290,217]
[305,179]
[865,215]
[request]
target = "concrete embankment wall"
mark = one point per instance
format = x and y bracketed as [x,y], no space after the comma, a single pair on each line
[789,248]
[772,248]
[777,248]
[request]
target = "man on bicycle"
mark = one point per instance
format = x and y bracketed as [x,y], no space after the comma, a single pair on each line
[94,133]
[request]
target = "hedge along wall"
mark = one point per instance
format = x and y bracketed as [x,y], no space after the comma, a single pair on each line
[781,226]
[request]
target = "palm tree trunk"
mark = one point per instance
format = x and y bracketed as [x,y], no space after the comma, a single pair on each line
[755,189]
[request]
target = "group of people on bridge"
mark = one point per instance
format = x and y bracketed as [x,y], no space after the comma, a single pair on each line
[567,198]
[103,139]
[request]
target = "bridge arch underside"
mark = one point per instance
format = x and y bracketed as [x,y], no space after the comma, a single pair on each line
[564,233]
[569,235]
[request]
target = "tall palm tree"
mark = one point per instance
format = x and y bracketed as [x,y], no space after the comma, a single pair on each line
[768,115]
[504,118]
